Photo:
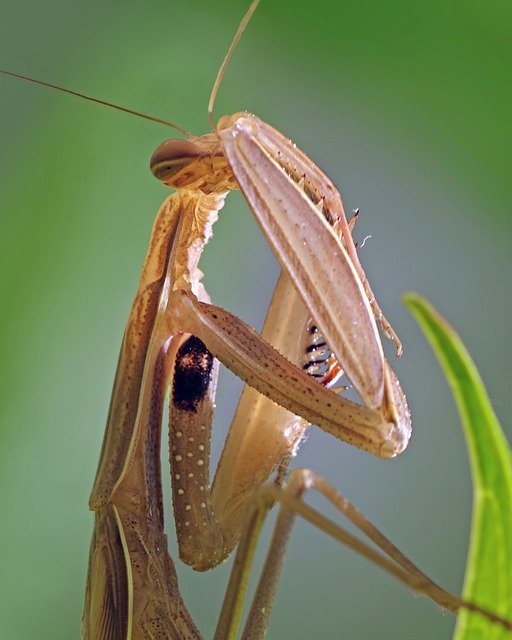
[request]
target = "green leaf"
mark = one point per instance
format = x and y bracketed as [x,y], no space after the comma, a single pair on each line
[488,580]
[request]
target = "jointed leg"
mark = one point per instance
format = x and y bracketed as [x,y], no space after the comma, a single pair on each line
[290,498]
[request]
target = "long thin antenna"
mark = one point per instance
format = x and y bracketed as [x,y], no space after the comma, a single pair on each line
[186,133]
[229,54]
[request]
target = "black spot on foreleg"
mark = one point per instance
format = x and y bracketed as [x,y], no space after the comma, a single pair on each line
[192,374]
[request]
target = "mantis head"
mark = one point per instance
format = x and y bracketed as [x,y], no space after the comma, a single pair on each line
[199,163]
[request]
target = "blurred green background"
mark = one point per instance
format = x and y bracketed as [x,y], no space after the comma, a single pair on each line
[407,107]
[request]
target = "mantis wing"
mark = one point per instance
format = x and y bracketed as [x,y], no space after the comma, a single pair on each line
[289,195]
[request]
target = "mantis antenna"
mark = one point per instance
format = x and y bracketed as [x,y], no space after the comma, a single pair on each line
[241,28]
[186,133]
[239,32]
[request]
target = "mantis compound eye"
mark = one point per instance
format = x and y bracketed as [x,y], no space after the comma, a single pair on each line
[171,157]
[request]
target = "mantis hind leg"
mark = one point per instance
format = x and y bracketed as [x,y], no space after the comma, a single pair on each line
[290,498]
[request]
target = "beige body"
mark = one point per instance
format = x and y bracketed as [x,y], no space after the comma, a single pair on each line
[132,592]
[293,202]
